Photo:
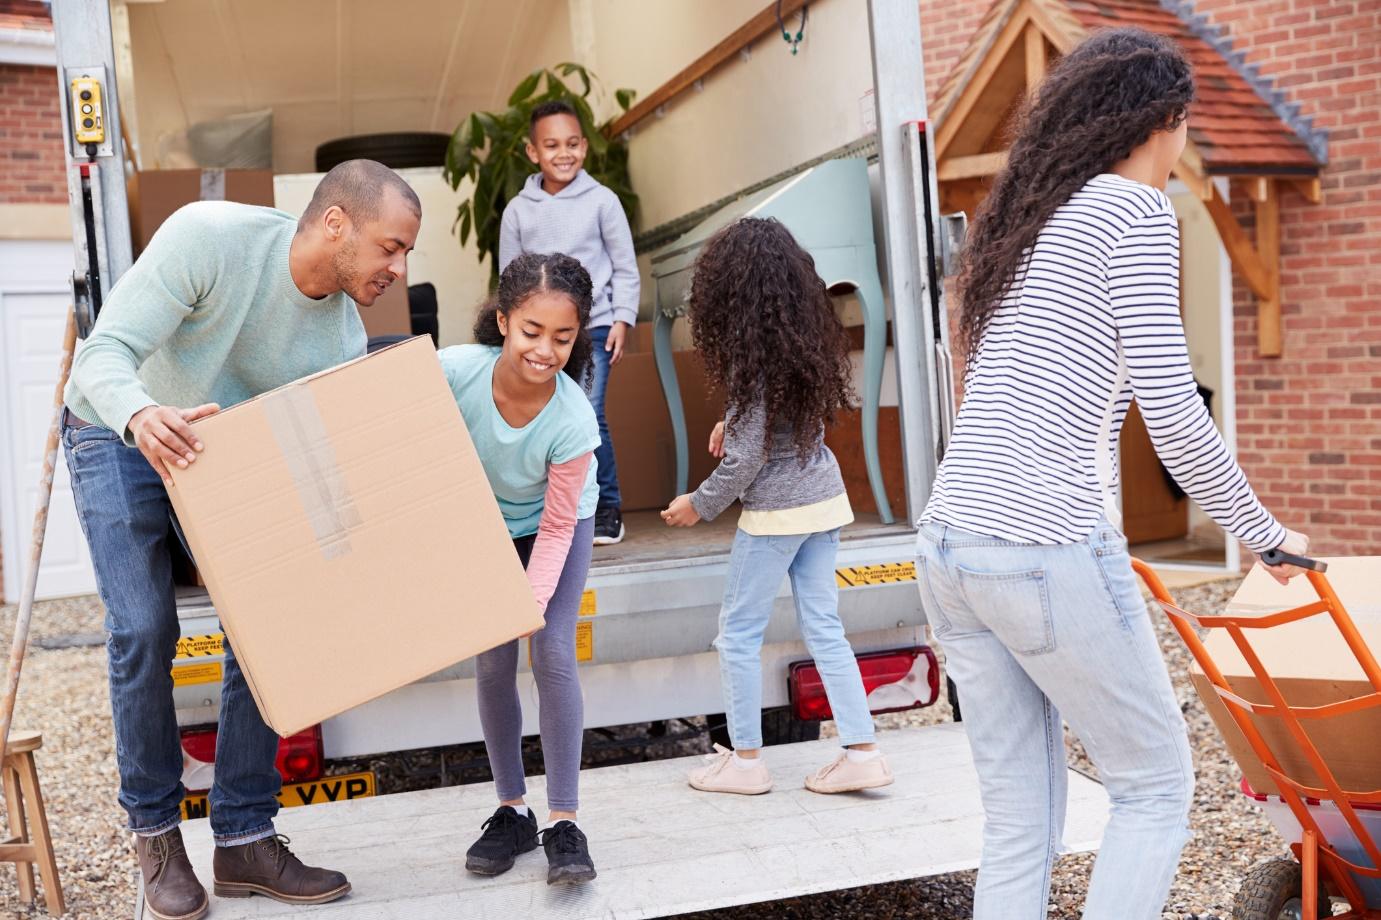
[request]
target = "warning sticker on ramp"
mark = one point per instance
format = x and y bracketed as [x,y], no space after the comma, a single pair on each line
[585,641]
[206,672]
[882,574]
[587,603]
[201,646]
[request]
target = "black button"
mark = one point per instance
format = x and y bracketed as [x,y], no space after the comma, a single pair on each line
[88,123]
[85,95]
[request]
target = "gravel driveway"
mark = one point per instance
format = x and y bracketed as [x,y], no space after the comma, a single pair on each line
[64,694]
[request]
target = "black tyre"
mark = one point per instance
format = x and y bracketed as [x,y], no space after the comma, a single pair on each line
[778,727]
[396,151]
[1273,890]
[952,692]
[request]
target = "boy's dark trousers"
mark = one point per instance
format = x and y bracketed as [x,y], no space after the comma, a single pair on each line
[607,472]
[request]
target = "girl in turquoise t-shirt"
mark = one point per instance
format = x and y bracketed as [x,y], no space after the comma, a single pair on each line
[535,434]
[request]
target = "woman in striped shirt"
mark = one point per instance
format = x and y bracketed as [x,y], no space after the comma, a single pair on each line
[1070,309]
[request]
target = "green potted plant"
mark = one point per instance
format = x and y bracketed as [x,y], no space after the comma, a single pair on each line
[489,149]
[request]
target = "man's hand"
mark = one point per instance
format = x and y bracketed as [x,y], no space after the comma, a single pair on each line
[681,513]
[1296,544]
[164,436]
[717,440]
[618,333]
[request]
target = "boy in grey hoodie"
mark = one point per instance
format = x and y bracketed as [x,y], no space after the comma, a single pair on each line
[562,209]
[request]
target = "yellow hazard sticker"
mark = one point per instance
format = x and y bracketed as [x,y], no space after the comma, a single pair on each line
[585,641]
[587,603]
[201,646]
[882,574]
[206,672]
[327,789]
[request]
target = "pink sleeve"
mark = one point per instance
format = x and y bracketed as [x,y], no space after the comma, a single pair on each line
[565,482]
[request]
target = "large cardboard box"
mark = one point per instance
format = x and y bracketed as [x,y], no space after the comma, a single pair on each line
[155,194]
[1312,665]
[348,537]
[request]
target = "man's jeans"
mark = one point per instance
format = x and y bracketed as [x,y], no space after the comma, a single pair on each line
[1031,633]
[757,566]
[127,518]
[606,472]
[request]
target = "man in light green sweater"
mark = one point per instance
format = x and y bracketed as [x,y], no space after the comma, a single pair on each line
[228,301]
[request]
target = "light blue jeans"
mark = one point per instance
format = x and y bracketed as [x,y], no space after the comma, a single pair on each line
[757,566]
[1031,634]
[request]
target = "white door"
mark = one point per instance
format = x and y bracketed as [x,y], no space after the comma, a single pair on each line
[34,298]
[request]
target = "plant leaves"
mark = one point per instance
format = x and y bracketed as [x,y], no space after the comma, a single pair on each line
[526,88]
[625,97]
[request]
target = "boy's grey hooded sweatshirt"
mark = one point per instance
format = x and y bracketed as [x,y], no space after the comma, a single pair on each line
[585,221]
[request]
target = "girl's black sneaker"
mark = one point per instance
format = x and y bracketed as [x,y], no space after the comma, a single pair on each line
[506,835]
[568,854]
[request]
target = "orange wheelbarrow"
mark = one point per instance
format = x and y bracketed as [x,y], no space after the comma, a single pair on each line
[1330,830]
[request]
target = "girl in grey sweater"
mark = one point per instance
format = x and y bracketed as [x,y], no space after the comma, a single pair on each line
[768,336]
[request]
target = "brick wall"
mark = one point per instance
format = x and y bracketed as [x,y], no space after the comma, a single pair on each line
[31,157]
[946,27]
[1309,422]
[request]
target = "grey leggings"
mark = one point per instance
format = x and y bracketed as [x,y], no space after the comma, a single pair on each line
[561,713]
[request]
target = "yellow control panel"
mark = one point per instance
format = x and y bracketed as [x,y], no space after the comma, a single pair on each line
[88,116]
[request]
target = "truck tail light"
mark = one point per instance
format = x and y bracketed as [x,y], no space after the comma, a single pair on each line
[894,680]
[299,757]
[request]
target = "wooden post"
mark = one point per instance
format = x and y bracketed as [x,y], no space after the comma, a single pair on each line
[45,492]
[1035,57]
[1269,337]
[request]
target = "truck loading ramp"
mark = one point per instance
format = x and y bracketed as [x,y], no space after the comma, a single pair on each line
[660,847]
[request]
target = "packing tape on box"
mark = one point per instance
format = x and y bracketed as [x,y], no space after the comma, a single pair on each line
[213,185]
[311,458]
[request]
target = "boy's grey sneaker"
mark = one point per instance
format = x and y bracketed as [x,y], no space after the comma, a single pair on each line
[608,526]
[506,835]
[568,854]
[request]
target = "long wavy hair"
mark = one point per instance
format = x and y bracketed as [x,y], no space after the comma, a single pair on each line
[767,331]
[1098,104]
[535,273]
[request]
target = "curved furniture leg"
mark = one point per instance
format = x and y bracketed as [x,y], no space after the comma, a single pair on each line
[874,356]
[671,389]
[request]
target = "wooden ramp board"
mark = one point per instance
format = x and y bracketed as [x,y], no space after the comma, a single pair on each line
[660,847]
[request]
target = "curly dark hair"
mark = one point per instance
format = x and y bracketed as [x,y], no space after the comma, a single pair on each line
[767,331]
[1098,104]
[533,273]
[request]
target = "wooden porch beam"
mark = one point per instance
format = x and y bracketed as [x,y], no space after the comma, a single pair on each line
[1240,249]
[974,92]
[1268,328]
[1035,57]
[974,166]
[763,22]
[1311,189]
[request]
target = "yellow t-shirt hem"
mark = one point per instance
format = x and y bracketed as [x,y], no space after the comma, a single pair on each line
[814,518]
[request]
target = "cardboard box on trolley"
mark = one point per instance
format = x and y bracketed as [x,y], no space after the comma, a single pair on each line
[1313,666]
[348,537]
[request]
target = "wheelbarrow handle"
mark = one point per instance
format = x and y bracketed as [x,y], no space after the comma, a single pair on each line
[1276,557]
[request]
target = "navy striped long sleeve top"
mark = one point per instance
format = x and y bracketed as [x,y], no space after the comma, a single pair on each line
[1091,322]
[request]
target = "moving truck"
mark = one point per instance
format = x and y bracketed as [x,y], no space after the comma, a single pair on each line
[652,603]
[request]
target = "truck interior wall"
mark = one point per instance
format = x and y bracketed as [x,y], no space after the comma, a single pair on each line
[330,70]
[752,118]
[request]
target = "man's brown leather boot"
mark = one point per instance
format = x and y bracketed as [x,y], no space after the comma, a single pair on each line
[269,868]
[171,889]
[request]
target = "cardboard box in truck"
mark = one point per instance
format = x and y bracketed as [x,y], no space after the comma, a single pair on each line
[156,193]
[348,536]
[1312,666]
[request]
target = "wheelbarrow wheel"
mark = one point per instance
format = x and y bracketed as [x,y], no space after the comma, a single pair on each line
[1273,890]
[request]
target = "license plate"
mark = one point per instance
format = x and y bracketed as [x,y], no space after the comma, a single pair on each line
[327,789]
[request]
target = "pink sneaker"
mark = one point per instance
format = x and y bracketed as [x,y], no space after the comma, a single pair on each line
[721,774]
[845,775]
